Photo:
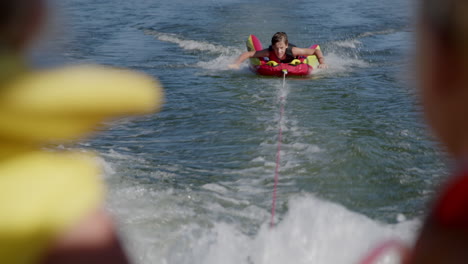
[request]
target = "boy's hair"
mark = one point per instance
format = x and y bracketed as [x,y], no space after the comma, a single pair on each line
[278,37]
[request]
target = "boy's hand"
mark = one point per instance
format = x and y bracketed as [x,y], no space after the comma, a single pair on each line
[323,66]
[234,66]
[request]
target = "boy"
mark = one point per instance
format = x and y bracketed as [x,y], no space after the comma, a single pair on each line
[280,51]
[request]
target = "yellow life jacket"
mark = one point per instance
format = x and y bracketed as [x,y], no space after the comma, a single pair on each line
[43,193]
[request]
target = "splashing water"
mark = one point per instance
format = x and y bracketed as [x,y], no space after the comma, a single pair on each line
[339,61]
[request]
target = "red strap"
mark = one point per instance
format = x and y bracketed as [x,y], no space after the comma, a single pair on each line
[383,248]
[451,209]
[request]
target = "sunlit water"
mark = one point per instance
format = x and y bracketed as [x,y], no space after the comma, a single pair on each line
[193,183]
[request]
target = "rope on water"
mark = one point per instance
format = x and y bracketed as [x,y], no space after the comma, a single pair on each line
[278,153]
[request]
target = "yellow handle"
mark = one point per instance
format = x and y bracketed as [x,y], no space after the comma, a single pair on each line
[295,62]
[272,63]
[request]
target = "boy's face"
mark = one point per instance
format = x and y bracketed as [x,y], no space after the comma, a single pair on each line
[280,49]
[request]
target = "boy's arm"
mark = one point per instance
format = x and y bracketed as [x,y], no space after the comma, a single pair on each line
[247,55]
[308,52]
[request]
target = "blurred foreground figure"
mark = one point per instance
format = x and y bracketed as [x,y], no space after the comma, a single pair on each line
[442,68]
[52,202]
[443,76]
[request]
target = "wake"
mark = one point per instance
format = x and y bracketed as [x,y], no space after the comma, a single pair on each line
[342,56]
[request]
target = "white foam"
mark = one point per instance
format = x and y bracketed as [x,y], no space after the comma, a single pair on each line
[313,231]
[352,43]
[401,218]
[374,33]
[306,148]
[226,54]
[219,63]
[107,168]
[212,226]
[342,63]
[215,188]
[191,44]
[259,159]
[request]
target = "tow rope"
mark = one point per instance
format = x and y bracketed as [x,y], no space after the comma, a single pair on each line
[278,152]
[377,252]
